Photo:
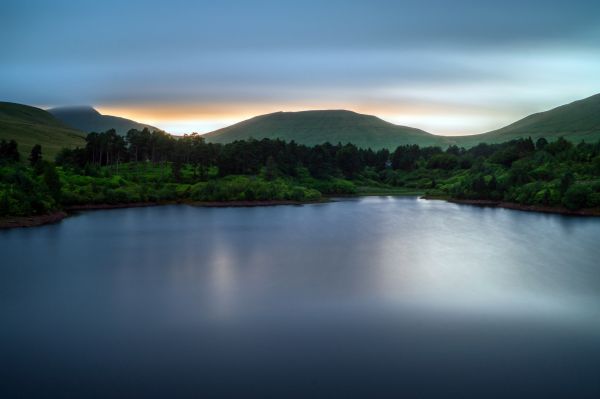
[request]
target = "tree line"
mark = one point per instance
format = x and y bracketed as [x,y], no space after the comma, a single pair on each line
[240,157]
[557,173]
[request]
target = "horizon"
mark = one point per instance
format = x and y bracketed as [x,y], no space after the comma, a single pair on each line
[223,124]
[226,123]
[185,68]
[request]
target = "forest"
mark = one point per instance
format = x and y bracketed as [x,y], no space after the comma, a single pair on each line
[155,167]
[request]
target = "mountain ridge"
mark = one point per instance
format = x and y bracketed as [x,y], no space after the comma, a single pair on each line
[576,121]
[88,119]
[318,126]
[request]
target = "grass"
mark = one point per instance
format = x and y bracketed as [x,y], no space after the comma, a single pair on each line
[577,121]
[29,126]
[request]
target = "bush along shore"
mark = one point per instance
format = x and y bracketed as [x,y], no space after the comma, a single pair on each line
[149,168]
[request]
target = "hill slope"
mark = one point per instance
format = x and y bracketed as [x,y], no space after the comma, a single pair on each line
[87,119]
[579,120]
[317,127]
[576,121]
[29,126]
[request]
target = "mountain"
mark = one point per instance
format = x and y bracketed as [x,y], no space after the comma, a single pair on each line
[29,126]
[579,120]
[65,127]
[89,120]
[316,127]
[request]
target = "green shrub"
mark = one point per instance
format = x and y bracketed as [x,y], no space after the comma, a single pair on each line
[443,161]
[576,196]
[335,186]
[594,200]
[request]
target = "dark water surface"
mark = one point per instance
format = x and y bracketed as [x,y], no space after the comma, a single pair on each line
[374,297]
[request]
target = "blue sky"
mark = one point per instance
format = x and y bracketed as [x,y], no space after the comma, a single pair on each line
[457,67]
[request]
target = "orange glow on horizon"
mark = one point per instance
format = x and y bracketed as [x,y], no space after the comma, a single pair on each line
[203,118]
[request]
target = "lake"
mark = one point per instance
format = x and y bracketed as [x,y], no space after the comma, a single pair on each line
[369,297]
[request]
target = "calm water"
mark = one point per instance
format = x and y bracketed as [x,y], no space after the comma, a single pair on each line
[376,297]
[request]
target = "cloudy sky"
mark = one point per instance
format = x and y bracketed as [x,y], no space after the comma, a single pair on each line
[449,67]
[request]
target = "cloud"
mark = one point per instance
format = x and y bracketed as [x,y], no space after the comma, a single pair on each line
[480,62]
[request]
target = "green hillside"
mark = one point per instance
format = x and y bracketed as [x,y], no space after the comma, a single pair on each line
[577,121]
[317,127]
[87,119]
[29,126]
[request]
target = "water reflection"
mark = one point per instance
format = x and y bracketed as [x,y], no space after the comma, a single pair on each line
[345,294]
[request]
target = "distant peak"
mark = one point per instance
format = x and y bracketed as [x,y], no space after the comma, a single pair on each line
[319,111]
[74,108]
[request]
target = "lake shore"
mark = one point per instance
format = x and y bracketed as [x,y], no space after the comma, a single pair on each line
[521,207]
[207,204]
[10,222]
[39,220]
[55,217]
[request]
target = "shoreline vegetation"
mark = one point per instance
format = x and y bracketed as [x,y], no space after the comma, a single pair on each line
[557,210]
[151,168]
[8,222]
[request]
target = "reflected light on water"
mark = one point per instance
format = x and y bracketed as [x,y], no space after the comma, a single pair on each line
[375,295]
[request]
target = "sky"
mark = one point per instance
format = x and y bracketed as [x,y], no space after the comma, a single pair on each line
[448,67]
